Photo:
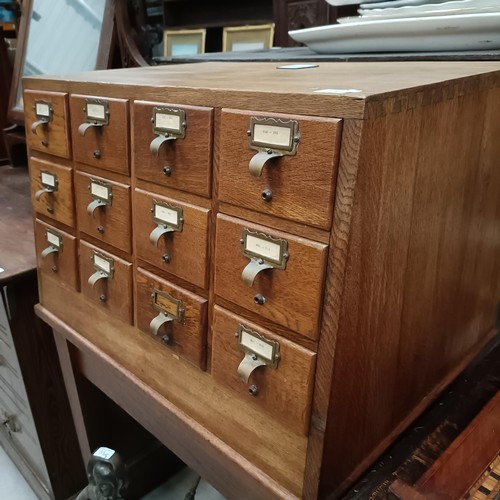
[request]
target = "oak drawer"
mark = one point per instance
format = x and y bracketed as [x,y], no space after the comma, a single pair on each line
[175,317]
[299,186]
[103,210]
[280,378]
[52,190]
[107,280]
[292,296]
[183,250]
[56,253]
[174,156]
[46,118]
[100,131]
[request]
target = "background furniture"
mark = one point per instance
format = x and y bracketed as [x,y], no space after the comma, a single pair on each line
[368,238]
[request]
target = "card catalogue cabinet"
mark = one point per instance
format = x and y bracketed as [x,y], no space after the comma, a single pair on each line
[273,270]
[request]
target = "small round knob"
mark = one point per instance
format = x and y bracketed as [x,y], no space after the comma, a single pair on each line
[50,210]
[259,299]
[165,339]
[253,390]
[103,297]
[97,154]
[54,269]
[100,229]
[166,258]
[45,142]
[167,171]
[266,195]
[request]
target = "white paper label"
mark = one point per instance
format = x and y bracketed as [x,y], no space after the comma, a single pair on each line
[166,121]
[102,264]
[53,239]
[264,248]
[272,135]
[42,109]
[166,215]
[104,452]
[99,191]
[96,111]
[256,345]
[48,179]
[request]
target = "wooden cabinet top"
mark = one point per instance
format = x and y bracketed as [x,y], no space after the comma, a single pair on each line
[348,90]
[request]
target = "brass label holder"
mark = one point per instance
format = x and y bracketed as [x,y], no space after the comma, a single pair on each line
[44,113]
[55,245]
[96,115]
[49,182]
[271,138]
[264,252]
[168,124]
[168,218]
[258,350]
[104,269]
[169,309]
[101,193]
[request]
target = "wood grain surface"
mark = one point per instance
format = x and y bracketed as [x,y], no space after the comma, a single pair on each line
[187,337]
[293,295]
[60,204]
[284,392]
[56,132]
[62,264]
[112,141]
[116,289]
[190,157]
[302,185]
[111,224]
[187,249]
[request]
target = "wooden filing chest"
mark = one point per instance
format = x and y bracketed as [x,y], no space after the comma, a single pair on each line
[282,267]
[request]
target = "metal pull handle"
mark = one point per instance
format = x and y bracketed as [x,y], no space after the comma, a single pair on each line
[156,143]
[35,125]
[158,322]
[157,232]
[258,161]
[91,207]
[251,270]
[98,275]
[248,364]
[39,193]
[82,129]
[48,251]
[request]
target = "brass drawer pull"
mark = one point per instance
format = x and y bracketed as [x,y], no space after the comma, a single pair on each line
[82,129]
[93,205]
[38,123]
[251,270]
[248,364]
[157,142]
[259,160]
[48,251]
[98,275]
[158,322]
[40,192]
[158,232]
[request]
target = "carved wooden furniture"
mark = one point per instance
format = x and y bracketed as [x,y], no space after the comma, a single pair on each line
[273,270]
[37,430]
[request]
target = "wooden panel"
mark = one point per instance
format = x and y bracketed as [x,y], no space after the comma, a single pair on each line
[53,137]
[187,250]
[107,146]
[186,337]
[63,264]
[114,294]
[58,205]
[284,392]
[292,296]
[190,158]
[302,185]
[110,224]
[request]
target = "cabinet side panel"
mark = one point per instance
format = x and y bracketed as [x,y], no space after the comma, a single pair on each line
[422,273]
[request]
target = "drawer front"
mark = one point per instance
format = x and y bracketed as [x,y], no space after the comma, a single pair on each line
[292,296]
[47,127]
[103,210]
[52,190]
[279,380]
[175,317]
[107,280]
[183,162]
[299,186]
[183,250]
[103,143]
[56,254]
